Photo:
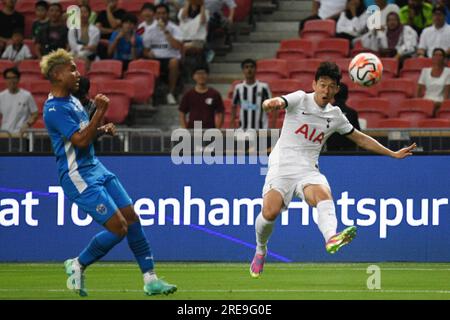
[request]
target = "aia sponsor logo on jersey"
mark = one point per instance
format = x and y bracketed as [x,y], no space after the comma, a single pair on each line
[310,133]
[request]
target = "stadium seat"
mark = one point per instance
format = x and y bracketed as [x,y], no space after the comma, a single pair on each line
[23,6]
[415,109]
[40,99]
[343,64]
[434,123]
[67,3]
[372,110]
[144,65]
[144,86]
[390,68]
[281,87]
[30,70]
[39,124]
[2,84]
[305,68]
[412,67]
[269,69]
[105,69]
[242,10]
[98,5]
[318,29]
[444,110]
[396,90]
[117,86]
[119,107]
[5,64]
[81,66]
[294,49]
[37,86]
[394,123]
[227,114]
[358,48]
[231,89]
[358,92]
[29,18]
[132,6]
[333,48]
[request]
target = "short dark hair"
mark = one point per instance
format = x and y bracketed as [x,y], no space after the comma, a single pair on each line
[13,70]
[129,17]
[17,30]
[43,4]
[56,4]
[342,95]
[441,50]
[149,6]
[163,5]
[83,88]
[87,7]
[248,61]
[438,9]
[200,67]
[329,69]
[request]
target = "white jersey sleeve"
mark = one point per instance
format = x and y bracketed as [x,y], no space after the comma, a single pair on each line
[344,126]
[293,100]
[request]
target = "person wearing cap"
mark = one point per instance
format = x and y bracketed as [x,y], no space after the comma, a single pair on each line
[435,36]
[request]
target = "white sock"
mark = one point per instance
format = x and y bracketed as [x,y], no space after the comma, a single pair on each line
[150,276]
[263,230]
[326,219]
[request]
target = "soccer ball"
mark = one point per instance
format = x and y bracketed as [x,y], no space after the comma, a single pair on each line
[365,69]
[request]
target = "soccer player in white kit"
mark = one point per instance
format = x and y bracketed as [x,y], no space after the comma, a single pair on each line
[293,170]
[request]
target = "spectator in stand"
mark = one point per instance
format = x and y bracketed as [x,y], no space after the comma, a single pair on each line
[125,44]
[92,15]
[202,103]
[148,18]
[53,36]
[417,14]
[193,19]
[83,42]
[435,36]
[164,42]
[249,95]
[10,20]
[434,82]
[217,20]
[41,10]
[107,21]
[445,4]
[396,41]
[353,21]
[17,106]
[325,9]
[386,8]
[17,50]
[337,142]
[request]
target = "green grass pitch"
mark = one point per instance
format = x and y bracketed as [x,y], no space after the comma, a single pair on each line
[231,281]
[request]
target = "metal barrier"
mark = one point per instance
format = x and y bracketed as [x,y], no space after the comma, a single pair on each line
[144,140]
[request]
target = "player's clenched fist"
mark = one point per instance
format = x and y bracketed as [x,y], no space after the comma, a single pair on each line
[101,102]
[273,104]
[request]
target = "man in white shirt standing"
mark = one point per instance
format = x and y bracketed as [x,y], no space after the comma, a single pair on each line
[435,36]
[163,41]
[17,106]
[293,170]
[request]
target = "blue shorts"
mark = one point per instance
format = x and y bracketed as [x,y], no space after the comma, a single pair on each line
[104,198]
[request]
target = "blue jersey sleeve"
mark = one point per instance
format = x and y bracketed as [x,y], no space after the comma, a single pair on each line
[63,121]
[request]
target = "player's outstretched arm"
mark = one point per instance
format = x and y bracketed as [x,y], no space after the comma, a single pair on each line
[83,138]
[370,144]
[273,104]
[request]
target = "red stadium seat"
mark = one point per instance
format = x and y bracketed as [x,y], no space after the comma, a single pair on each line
[281,87]
[318,29]
[415,109]
[106,69]
[98,5]
[119,107]
[132,6]
[358,92]
[143,65]
[40,99]
[390,68]
[23,6]
[67,3]
[412,67]
[333,48]
[305,68]
[30,44]
[434,123]
[444,110]
[358,48]
[117,86]
[29,19]
[269,69]
[81,66]
[2,84]
[294,49]
[5,64]
[396,90]
[39,124]
[231,89]
[242,10]
[30,70]
[343,64]
[38,86]
[372,110]
[394,123]
[144,86]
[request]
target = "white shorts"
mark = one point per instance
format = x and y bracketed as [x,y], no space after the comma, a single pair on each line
[289,185]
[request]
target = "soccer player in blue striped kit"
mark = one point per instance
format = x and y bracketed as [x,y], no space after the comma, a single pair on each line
[86,181]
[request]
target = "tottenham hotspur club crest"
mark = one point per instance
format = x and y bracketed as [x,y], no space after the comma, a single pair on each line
[101,209]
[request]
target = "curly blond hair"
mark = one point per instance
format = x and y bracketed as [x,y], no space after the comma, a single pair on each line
[54,58]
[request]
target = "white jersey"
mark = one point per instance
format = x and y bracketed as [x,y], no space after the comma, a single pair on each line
[305,129]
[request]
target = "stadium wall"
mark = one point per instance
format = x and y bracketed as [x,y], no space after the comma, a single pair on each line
[202,212]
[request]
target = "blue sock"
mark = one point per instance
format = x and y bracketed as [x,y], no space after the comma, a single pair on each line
[98,247]
[137,241]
